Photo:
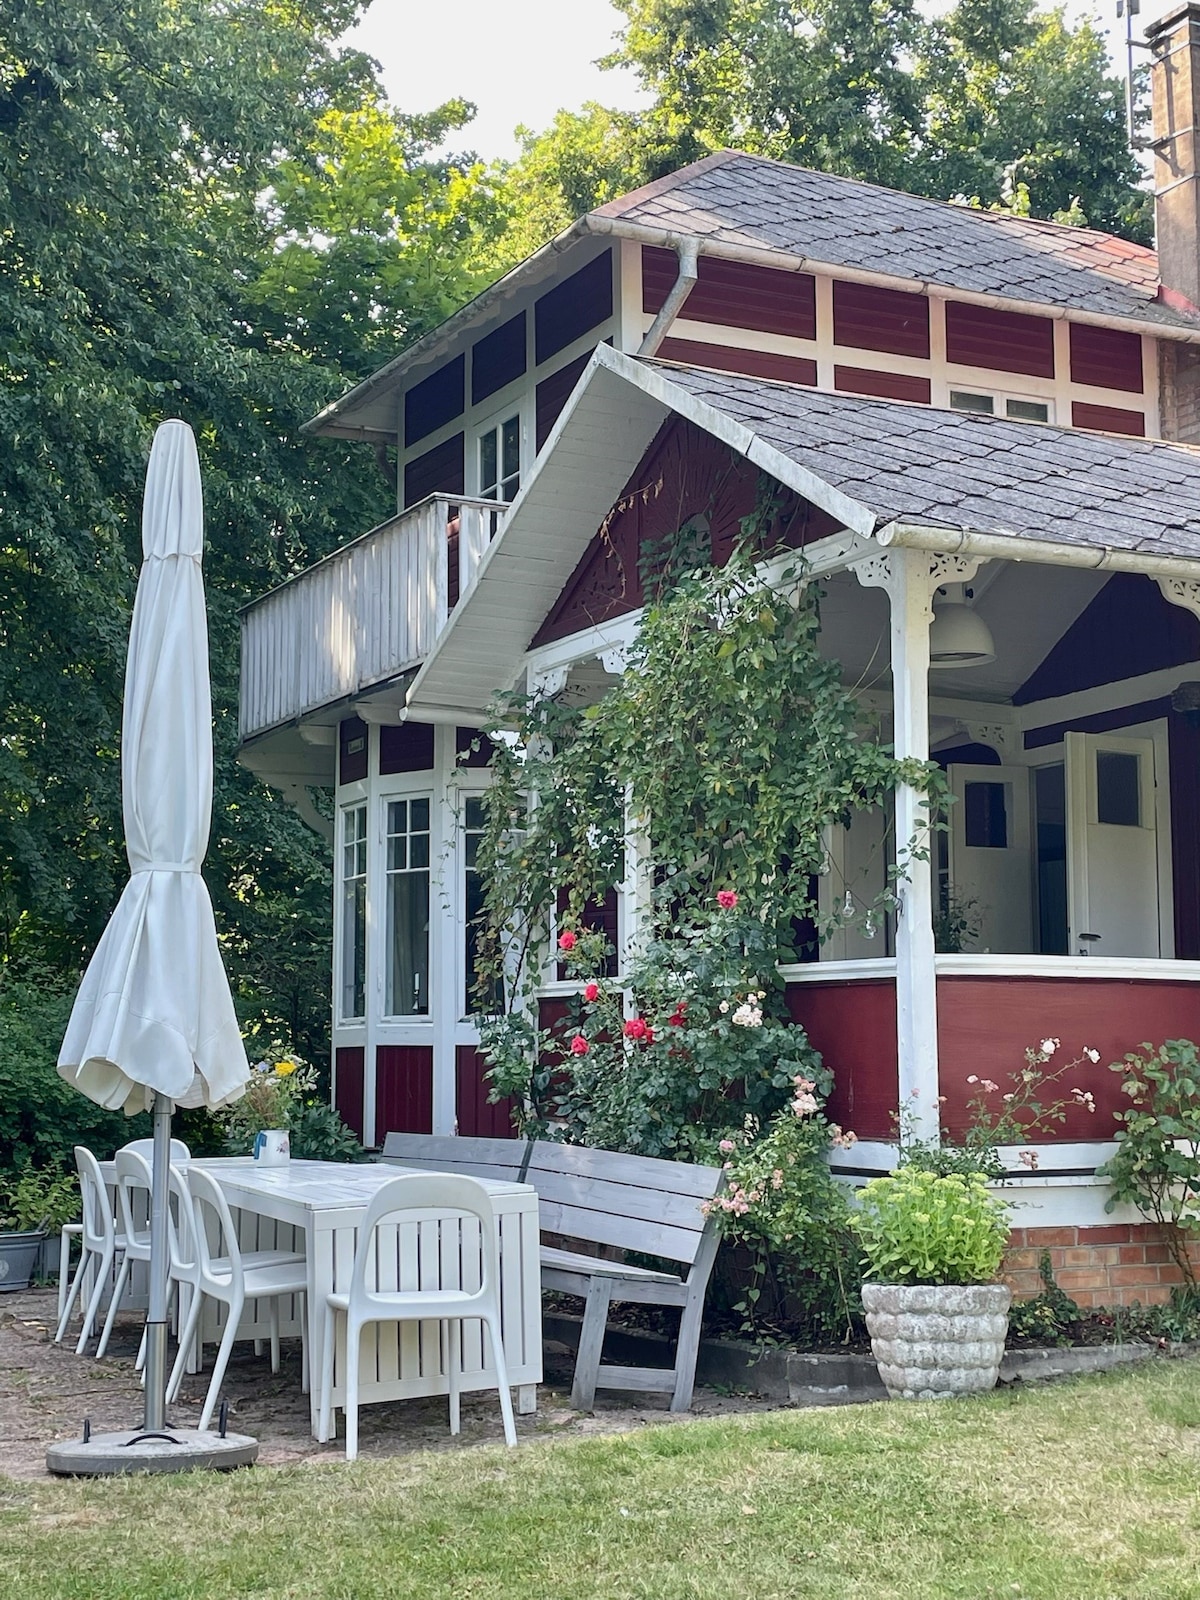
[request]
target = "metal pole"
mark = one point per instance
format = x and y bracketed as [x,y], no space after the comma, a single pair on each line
[156,1317]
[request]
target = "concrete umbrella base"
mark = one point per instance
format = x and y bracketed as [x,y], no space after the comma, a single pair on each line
[106,1455]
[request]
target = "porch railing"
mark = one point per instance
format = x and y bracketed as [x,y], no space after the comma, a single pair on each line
[364,614]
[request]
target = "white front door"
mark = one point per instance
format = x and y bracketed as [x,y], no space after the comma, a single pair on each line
[991,861]
[1112,846]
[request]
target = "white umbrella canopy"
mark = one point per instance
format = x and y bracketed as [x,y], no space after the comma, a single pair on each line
[154,1014]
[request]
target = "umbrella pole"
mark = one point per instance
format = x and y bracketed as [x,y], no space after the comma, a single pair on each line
[156,1317]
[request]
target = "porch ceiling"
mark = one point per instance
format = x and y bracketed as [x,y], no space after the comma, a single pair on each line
[869,463]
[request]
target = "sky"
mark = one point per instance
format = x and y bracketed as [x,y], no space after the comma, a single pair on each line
[520,60]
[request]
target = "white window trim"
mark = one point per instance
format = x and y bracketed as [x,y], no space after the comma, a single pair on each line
[426,789]
[341,1022]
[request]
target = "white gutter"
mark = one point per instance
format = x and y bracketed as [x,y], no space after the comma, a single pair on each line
[689,270]
[1005,547]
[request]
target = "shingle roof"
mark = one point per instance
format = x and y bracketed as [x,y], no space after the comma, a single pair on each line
[756,203]
[959,470]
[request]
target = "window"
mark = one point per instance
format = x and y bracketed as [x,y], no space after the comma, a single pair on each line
[986,816]
[354,914]
[1118,788]
[408,908]
[995,405]
[500,461]
[474,821]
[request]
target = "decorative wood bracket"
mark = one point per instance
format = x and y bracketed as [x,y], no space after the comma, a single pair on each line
[880,571]
[548,682]
[1183,592]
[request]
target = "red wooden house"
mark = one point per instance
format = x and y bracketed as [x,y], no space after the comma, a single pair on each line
[988,425]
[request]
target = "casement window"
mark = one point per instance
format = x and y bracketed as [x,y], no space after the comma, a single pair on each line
[1017,408]
[500,460]
[474,822]
[353,996]
[407,900]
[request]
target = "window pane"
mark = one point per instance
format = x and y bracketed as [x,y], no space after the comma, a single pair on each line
[971,402]
[511,448]
[420,816]
[1028,410]
[408,908]
[487,461]
[986,816]
[1118,788]
[1050,809]
[352,1000]
[474,818]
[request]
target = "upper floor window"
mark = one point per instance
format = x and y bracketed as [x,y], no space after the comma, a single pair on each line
[352,1000]
[500,460]
[1000,405]
[407,908]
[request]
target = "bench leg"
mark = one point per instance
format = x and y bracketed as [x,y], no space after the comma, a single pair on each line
[591,1343]
[686,1352]
[526,1399]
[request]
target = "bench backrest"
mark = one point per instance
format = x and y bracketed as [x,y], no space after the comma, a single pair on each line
[477,1158]
[631,1202]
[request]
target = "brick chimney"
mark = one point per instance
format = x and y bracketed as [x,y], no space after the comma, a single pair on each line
[1175,89]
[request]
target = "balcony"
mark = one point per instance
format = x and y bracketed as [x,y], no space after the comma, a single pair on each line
[349,627]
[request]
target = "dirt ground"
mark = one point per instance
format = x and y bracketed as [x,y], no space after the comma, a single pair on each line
[46,1391]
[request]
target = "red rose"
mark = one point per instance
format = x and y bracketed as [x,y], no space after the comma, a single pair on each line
[726,899]
[579,1045]
[591,991]
[648,1036]
[676,1020]
[636,1028]
[566,941]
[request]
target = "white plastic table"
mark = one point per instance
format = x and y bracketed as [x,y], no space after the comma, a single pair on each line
[325,1202]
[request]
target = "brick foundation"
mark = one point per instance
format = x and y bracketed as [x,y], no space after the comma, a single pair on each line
[1109,1266]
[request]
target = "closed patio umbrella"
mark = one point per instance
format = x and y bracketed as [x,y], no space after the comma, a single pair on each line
[153,1024]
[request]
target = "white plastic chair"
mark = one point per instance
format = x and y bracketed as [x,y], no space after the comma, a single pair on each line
[101,1242]
[446,1195]
[232,1276]
[145,1149]
[185,1277]
[133,1175]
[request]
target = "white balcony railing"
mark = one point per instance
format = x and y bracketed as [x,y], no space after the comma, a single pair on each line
[363,615]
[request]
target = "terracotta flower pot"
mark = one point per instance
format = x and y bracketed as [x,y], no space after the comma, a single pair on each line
[934,1341]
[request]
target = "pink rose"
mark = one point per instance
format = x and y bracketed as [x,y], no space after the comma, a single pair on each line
[579,1045]
[636,1028]
[726,899]
[591,991]
[726,1147]
[566,941]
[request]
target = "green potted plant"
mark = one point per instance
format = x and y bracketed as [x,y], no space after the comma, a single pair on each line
[932,1247]
[31,1203]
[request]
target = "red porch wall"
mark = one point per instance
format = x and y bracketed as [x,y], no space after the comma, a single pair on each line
[986,1024]
[348,1074]
[853,1025]
[478,1117]
[403,1089]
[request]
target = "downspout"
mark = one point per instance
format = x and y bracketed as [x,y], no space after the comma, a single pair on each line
[689,266]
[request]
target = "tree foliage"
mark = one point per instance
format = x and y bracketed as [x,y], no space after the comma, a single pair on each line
[993,103]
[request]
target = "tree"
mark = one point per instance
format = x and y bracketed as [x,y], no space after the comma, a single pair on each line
[166,167]
[980,105]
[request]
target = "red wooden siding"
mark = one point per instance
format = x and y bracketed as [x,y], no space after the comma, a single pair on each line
[1108,419]
[434,401]
[441,470]
[352,750]
[408,748]
[1128,629]
[348,1075]
[685,473]
[479,1117]
[727,358]
[868,318]
[1109,358]
[498,358]
[566,312]
[552,395]
[887,385]
[735,294]
[985,1026]
[1001,341]
[853,1025]
[403,1089]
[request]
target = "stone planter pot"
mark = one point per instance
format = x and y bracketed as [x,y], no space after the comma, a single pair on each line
[18,1256]
[933,1341]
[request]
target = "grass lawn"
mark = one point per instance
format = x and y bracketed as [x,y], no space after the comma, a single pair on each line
[1081,1491]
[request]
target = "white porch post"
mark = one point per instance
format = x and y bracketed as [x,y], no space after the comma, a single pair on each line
[910,578]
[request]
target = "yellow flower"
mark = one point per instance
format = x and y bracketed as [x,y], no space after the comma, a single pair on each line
[285,1068]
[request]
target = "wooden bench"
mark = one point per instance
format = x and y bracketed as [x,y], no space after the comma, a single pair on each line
[606,1199]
